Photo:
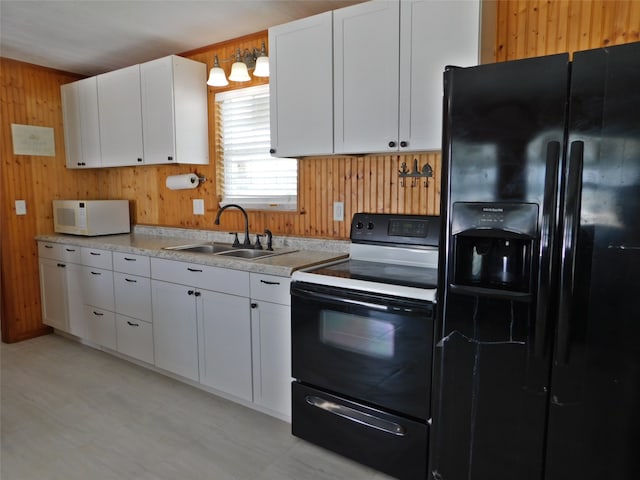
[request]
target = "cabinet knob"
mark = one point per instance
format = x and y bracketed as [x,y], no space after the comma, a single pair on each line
[139,159]
[197,294]
[272,151]
[403,143]
[254,305]
[170,158]
[190,292]
[392,144]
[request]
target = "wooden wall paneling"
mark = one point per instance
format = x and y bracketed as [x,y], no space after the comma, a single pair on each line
[30,94]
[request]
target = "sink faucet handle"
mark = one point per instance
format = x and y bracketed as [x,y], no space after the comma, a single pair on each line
[236,242]
[269,235]
[258,245]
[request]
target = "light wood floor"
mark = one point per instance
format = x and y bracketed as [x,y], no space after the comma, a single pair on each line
[70,412]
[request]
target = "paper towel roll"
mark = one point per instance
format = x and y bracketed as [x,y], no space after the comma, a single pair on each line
[181,182]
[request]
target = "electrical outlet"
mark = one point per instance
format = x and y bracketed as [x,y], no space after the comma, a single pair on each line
[21,207]
[338,211]
[198,206]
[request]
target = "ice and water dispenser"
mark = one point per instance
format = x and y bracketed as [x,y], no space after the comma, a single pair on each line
[493,244]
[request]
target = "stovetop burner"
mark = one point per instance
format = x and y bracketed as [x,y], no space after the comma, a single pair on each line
[389,254]
[409,276]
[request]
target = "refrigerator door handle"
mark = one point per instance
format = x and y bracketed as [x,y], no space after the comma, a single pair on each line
[547,237]
[569,240]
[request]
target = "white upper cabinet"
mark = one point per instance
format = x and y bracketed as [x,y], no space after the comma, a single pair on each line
[301,87]
[119,105]
[388,61]
[366,58]
[174,111]
[433,34]
[148,114]
[80,117]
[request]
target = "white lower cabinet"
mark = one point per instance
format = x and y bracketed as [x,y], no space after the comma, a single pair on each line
[134,338]
[100,326]
[53,294]
[271,343]
[60,283]
[227,329]
[225,343]
[175,332]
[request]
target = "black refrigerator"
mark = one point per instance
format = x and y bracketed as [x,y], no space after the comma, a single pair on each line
[537,357]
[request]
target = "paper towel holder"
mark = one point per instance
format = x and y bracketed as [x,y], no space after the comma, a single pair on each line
[191,180]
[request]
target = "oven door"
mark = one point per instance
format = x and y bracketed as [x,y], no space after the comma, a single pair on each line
[368,347]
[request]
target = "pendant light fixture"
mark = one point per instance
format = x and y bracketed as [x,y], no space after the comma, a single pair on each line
[217,77]
[243,61]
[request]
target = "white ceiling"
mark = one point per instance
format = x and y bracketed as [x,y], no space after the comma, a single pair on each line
[95,36]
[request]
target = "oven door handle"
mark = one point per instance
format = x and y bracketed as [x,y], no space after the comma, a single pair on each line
[338,299]
[356,416]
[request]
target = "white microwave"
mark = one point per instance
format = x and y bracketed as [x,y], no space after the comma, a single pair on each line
[91,217]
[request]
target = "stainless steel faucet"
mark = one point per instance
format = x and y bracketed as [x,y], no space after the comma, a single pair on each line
[247,240]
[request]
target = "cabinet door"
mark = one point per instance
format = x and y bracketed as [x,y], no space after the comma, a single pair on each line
[132,296]
[75,300]
[432,36]
[271,331]
[366,85]
[174,111]
[134,338]
[100,326]
[81,123]
[97,288]
[225,343]
[53,293]
[301,94]
[175,333]
[156,83]
[120,114]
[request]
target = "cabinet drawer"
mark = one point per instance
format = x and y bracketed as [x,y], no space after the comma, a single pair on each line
[100,326]
[97,288]
[134,338]
[132,295]
[97,258]
[60,252]
[270,288]
[131,264]
[217,279]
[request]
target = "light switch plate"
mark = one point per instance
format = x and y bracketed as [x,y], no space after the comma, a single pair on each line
[198,206]
[21,207]
[338,211]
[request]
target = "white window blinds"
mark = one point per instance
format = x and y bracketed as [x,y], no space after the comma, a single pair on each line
[250,176]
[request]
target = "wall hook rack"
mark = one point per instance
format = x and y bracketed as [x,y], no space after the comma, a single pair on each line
[414,174]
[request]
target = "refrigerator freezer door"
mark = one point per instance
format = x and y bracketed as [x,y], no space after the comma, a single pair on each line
[490,395]
[594,416]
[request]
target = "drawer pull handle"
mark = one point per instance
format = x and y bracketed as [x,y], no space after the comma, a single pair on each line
[130,259]
[98,314]
[269,283]
[133,324]
[194,269]
[95,253]
[70,249]
[48,246]
[130,280]
[95,273]
[61,265]
[356,416]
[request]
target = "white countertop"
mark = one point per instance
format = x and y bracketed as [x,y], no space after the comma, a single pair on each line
[151,241]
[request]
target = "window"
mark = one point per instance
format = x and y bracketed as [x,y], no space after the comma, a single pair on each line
[248,174]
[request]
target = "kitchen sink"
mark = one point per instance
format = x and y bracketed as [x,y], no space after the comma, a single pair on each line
[228,250]
[250,254]
[202,247]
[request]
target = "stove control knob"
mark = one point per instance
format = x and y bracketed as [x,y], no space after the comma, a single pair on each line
[359,225]
[370,226]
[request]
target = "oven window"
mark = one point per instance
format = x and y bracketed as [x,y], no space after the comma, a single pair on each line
[355,333]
